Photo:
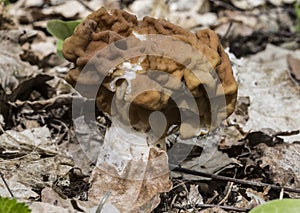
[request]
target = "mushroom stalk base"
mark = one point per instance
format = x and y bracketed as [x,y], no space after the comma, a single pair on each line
[131,170]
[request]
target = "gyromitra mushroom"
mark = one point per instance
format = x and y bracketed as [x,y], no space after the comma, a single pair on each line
[148,75]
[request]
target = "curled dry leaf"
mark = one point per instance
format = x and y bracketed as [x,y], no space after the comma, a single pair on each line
[294,65]
[12,67]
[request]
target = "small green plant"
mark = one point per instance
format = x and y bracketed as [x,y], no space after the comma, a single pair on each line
[297,10]
[5,2]
[61,30]
[8,205]
[279,206]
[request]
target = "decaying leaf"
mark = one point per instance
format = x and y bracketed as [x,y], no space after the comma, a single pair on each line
[211,160]
[36,139]
[37,207]
[274,97]
[247,4]
[22,166]
[48,195]
[131,195]
[69,10]
[193,197]
[19,190]
[283,163]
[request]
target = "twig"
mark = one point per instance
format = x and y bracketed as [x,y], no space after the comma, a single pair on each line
[229,187]
[223,4]
[62,136]
[211,206]
[210,200]
[173,201]
[227,31]
[1,129]
[85,5]
[240,181]
[6,185]
[288,133]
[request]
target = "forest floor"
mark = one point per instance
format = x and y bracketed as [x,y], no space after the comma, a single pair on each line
[253,157]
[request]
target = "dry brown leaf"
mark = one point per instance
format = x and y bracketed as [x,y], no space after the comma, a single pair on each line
[48,195]
[211,160]
[294,65]
[283,163]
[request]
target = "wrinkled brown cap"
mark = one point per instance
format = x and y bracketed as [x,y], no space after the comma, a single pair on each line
[207,74]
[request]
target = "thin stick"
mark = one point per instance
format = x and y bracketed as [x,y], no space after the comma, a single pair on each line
[227,31]
[85,5]
[6,185]
[230,185]
[211,206]
[240,181]
[229,188]
[223,4]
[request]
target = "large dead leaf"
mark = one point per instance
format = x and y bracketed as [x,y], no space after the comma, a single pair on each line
[130,195]
[274,97]
[211,160]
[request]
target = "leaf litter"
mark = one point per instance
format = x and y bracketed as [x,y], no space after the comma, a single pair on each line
[39,151]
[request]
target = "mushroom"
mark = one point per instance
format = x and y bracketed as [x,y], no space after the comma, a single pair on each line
[149,75]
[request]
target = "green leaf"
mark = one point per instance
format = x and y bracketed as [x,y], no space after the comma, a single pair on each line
[6,2]
[279,206]
[59,45]
[8,205]
[62,29]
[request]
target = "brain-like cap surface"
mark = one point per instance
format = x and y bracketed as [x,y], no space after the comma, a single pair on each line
[107,39]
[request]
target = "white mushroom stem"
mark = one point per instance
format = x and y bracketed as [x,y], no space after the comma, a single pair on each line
[123,146]
[132,170]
